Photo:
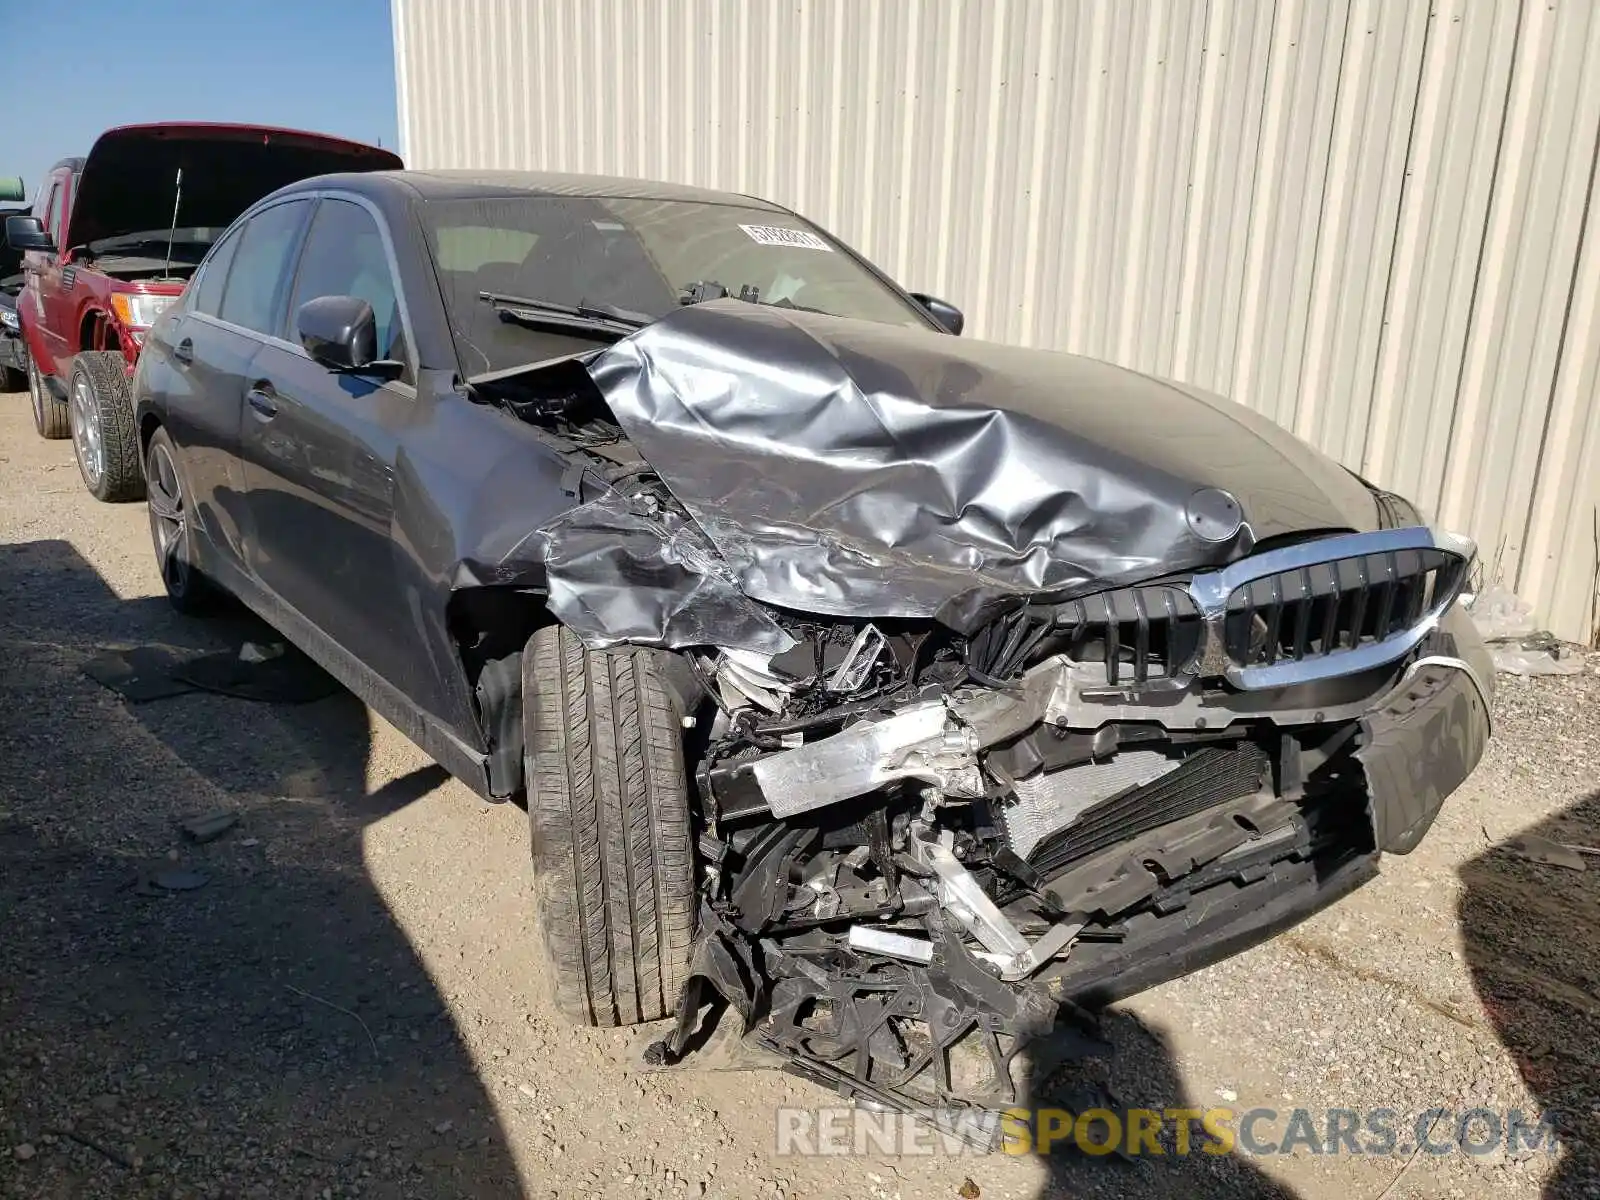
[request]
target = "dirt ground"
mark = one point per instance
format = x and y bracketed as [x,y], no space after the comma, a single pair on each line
[349,1006]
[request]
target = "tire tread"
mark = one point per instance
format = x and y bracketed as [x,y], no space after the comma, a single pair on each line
[608,799]
[50,417]
[123,476]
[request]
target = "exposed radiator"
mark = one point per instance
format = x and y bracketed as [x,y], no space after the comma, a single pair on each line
[1052,800]
[1083,821]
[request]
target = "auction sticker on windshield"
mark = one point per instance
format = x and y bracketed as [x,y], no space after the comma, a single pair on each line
[778,235]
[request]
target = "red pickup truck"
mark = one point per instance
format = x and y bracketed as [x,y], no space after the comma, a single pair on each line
[110,243]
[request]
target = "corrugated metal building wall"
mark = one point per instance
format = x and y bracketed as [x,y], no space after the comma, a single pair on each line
[1369,219]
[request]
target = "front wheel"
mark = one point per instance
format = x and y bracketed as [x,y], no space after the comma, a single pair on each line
[104,439]
[613,856]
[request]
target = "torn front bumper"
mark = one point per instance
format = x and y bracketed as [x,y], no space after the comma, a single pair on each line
[1422,735]
[1422,740]
[1421,743]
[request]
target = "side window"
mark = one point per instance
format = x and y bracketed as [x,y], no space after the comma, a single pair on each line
[344,256]
[255,282]
[207,288]
[53,221]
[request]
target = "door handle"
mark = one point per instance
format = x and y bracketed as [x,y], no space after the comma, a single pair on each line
[183,352]
[261,398]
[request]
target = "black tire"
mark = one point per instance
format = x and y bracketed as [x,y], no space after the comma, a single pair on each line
[613,855]
[104,439]
[189,590]
[12,380]
[50,418]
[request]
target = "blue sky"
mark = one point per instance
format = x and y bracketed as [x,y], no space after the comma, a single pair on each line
[325,65]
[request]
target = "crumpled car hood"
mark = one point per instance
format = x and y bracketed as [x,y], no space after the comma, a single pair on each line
[848,468]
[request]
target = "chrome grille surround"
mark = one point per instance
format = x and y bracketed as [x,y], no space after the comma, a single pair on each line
[1356,601]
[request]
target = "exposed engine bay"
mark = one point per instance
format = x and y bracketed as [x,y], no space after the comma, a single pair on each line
[931,829]
[146,270]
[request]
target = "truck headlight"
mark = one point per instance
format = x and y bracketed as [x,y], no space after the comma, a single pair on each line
[8,320]
[139,311]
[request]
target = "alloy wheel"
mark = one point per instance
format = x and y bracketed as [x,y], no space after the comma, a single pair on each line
[86,439]
[36,394]
[168,521]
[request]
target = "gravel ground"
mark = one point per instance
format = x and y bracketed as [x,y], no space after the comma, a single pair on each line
[349,1005]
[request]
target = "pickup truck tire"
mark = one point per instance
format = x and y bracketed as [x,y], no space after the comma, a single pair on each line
[613,855]
[49,414]
[104,438]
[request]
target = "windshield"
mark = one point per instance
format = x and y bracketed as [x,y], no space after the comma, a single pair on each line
[643,257]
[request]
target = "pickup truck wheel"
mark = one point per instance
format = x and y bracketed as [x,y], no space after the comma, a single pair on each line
[190,592]
[103,435]
[613,858]
[49,414]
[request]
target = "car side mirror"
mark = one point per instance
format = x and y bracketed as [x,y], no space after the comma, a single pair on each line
[339,332]
[942,311]
[27,233]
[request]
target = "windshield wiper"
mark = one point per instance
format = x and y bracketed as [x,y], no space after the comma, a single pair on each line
[581,317]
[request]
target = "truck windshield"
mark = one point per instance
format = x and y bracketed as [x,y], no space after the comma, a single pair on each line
[644,257]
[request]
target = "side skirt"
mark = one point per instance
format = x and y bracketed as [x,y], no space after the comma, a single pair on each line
[467,764]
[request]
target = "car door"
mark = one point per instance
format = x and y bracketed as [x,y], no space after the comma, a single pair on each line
[230,309]
[45,273]
[319,454]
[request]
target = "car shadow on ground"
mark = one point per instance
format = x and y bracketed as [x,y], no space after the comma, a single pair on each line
[1141,1073]
[270,1033]
[1531,934]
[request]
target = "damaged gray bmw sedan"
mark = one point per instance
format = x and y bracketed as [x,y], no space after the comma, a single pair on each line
[899,692]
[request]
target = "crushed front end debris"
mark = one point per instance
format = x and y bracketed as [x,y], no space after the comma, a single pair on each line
[1000,703]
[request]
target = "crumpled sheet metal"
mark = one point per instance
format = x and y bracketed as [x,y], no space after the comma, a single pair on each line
[852,469]
[625,568]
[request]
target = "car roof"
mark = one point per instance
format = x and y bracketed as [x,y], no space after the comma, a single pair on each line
[429,186]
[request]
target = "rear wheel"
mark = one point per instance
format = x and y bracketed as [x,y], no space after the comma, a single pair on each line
[189,591]
[49,413]
[104,439]
[613,857]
